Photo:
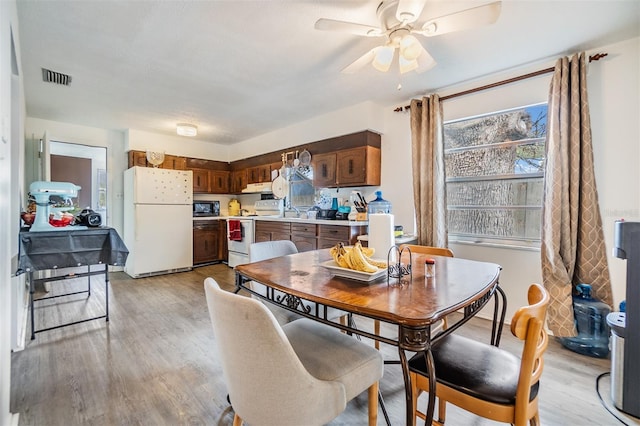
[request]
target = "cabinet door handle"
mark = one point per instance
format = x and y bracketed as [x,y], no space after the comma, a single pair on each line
[350,167]
[324,171]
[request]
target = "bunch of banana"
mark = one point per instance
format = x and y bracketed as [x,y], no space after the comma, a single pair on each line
[357,258]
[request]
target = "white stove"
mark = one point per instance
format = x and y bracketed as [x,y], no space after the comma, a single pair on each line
[270,208]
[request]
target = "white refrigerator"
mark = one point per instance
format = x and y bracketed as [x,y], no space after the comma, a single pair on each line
[158,221]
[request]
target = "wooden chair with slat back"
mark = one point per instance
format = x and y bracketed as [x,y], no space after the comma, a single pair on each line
[486,380]
[435,251]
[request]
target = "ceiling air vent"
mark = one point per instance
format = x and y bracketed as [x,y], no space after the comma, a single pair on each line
[49,76]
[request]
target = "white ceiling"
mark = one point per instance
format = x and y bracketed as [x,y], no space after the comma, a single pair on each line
[239,69]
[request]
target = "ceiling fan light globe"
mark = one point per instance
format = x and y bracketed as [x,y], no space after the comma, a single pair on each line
[406,65]
[410,48]
[383,58]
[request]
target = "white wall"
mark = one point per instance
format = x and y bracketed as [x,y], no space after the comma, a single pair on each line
[11,144]
[364,116]
[175,145]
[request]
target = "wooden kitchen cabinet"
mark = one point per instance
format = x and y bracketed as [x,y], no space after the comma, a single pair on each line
[267,230]
[260,174]
[238,181]
[200,181]
[209,241]
[304,236]
[174,162]
[219,181]
[324,170]
[358,166]
[330,235]
[210,181]
[348,167]
[139,158]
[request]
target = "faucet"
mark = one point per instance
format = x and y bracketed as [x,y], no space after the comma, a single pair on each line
[297,210]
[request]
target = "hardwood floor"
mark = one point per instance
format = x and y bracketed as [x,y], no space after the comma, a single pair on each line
[154,363]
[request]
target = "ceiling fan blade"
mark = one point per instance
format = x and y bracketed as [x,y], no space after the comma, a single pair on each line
[470,18]
[359,63]
[425,62]
[347,27]
[409,11]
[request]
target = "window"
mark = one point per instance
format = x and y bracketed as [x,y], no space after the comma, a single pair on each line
[495,176]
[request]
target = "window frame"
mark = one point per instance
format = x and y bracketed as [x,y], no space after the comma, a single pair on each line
[488,240]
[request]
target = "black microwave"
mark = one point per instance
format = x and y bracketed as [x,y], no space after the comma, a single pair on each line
[206,208]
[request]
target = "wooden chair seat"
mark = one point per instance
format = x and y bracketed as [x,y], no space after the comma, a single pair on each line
[477,369]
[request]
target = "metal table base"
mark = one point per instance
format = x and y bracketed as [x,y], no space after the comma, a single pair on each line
[88,274]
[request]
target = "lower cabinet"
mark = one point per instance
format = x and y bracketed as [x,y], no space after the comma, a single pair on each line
[266,230]
[303,236]
[330,235]
[307,236]
[209,241]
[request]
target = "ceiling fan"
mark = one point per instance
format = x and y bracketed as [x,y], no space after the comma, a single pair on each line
[399,21]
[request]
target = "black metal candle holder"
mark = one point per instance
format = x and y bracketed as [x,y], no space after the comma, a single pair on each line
[398,270]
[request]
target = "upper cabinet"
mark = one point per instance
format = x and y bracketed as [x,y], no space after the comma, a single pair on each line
[324,170]
[200,181]
[348,167]
[260,174]
[209,177]
[219,181]
[342,161]
[139,158]
[238,181]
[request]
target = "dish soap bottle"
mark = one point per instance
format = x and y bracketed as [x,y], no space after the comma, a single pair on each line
[234,207]
[379,205]
[593,331]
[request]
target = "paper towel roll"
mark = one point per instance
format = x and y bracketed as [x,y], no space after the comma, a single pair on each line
[381,236]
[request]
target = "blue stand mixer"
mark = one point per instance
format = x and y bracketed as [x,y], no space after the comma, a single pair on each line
[42,191]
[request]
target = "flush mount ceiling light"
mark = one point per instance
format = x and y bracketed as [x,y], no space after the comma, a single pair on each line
[399,21]
[184,129]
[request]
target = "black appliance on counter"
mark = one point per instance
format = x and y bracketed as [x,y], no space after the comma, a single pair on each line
[88,217]
[206,208]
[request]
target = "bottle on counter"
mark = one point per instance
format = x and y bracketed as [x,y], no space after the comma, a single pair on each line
[379,205]
[234,207]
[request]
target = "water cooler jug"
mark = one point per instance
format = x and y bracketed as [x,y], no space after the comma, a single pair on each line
[625,388]
[591,322]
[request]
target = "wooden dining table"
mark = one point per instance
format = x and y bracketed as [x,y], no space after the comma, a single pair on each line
[413,305]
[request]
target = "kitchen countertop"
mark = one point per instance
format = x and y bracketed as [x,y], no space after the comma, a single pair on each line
[287,219]
[403,239]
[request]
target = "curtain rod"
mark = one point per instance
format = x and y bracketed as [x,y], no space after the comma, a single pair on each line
[595,57]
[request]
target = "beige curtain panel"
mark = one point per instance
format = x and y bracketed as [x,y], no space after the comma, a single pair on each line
[427,146]
[573,249]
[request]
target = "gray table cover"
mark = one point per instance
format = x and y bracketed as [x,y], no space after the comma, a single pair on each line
[70,248]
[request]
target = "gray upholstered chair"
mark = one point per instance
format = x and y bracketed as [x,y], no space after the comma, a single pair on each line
[268,250]
[301,373]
